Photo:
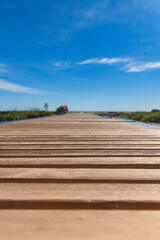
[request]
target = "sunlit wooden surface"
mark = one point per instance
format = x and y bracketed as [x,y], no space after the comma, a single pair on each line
[79,176]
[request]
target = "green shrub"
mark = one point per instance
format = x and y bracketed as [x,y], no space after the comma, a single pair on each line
[2,118]
[17,115]
[155,110]
[148,117]
[152,118]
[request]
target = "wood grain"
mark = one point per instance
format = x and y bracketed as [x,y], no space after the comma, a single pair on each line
[79,176]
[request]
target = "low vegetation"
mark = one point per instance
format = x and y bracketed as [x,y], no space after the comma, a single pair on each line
[147,117]
[19,115]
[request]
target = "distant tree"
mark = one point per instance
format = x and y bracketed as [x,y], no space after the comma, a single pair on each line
[155,110]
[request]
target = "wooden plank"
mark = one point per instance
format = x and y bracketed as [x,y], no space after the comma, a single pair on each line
[81,162]
[80,192]
[80,174]
[79,146]
[40,142]
[113,152]
[111,127]
[90,137]
[83,224]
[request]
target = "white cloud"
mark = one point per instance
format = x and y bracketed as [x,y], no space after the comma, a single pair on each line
[16,88]
[2,68]
[130,65]
[62,64]
[104,10]
[96,11]
[105,61]
[141,67]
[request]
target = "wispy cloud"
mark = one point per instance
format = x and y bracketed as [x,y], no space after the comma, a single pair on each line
[131,64]
[105,10]
[105,61]
[16,88]
[82,15]
[79,15]
[3,68]
[62,64]
[97,11]
[128,64]
[141,67]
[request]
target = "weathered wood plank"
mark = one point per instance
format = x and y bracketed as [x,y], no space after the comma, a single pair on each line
[113,152]
[80,174]
[80,192]
[81,162]
[79,146]
[83,224]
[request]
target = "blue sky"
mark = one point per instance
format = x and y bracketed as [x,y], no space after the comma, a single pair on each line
[91,55]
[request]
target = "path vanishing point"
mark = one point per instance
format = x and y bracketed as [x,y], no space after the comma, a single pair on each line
[79,176]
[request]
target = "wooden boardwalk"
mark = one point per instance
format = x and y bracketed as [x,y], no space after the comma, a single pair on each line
[79,176]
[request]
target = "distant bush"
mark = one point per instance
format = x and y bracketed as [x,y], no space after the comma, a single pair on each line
[32,115]
[18,115]
[152,118]
[2,119]
[148,117]
[155,110]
